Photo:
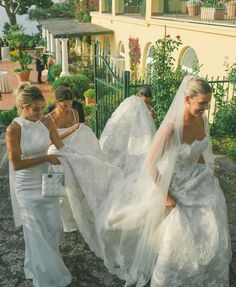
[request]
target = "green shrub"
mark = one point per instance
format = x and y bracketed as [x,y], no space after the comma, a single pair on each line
[90,115]
[7,116]
[90,93]
[224,125]
[78,84]
[88,72]
[56,70]
[225,146]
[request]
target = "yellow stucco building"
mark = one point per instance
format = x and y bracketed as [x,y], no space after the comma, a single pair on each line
[208,41]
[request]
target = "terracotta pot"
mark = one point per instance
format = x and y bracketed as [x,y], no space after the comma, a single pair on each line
[212,13]
[193,9]
[23,76]
[231,9]
[89,101]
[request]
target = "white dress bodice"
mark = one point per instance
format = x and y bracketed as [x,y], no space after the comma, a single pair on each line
[34,142]
[35,138]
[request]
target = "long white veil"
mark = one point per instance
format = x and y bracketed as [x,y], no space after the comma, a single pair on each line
[120,215]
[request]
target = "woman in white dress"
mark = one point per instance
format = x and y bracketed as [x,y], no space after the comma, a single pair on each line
[28,139]
[167,221]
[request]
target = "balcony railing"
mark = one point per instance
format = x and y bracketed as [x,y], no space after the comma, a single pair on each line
[178,9]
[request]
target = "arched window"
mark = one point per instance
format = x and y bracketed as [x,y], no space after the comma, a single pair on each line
[121,50]
[149,61]
[189,60]
[150,55]
[107,47]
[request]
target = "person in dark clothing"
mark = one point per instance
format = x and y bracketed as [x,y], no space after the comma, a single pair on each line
[76,106]
[39,68]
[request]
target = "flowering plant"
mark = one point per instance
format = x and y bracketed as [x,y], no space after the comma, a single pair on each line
[165,77]
[134,55]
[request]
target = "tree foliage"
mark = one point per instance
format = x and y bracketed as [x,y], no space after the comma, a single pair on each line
[65,9]
[20,7]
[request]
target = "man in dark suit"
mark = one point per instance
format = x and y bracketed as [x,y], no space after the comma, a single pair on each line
[39,67]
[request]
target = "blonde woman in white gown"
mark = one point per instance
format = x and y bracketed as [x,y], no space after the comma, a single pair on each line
[167,221]
[28,139]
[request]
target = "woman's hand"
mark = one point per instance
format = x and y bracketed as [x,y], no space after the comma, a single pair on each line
[170,201]
[53,159]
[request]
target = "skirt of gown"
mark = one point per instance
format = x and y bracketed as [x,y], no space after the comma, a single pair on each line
[192,241]
[42,229]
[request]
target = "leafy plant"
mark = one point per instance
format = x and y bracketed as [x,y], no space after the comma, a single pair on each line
[213,4]
[90,93]
[198,2]
[56,70]
[78,84]
[19,40]
[63,9]
[6,116]
[165,77]
[231,70]
[224,122]
[134,56]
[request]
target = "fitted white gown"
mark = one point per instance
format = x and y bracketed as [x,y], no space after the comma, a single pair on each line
[40,216]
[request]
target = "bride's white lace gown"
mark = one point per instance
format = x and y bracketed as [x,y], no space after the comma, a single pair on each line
[190,247]
[193,244]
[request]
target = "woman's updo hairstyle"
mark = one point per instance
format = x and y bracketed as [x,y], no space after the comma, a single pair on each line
[26,94]
[63,94]
[145,91]
[196,85]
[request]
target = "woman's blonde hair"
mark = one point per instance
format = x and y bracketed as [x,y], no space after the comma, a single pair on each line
[26,94]
[196,85]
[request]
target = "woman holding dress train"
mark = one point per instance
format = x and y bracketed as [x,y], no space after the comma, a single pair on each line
[28,138]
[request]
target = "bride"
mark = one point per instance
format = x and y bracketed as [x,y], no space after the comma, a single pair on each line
[167,220]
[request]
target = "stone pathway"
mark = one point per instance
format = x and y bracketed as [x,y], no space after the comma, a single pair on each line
[87,270]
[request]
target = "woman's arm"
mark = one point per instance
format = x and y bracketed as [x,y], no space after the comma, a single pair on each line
[69,131]
[54,136]
[13,134]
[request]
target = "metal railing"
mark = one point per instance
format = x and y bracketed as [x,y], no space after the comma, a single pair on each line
[223,14]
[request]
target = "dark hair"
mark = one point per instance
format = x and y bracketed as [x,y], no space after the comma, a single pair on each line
[145,91]
[63,93]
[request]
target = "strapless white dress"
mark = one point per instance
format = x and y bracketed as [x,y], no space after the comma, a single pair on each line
[40,216]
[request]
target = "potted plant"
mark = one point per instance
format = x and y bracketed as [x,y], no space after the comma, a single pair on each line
[193,7]
[231,9]
[89,97]
[212,10]
[18,40]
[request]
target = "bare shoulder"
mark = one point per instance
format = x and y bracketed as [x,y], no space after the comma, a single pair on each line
[47,121]
[13,129]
